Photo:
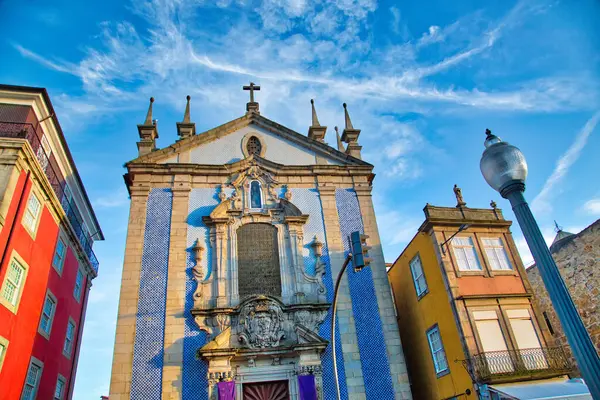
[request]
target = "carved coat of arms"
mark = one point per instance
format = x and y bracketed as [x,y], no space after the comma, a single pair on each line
[261,323]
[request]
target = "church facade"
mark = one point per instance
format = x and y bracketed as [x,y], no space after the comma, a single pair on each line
[235,239]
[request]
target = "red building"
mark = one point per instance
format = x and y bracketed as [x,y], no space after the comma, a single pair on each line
[47,229]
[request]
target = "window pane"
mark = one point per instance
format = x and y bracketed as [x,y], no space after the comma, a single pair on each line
[27,393]
[59,389]
[437,350]
[418,276]
[44,323]
[34,205]
[78,283]
[59,255]
[32,375]
[10,292]
[15,273]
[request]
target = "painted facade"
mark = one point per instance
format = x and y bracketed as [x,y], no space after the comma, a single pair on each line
[36,220]
[192,312]
[577,257]
[466,311]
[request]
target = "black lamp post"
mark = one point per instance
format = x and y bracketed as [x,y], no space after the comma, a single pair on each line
[504,168]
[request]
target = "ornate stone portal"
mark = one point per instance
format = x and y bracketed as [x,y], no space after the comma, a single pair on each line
[257,337]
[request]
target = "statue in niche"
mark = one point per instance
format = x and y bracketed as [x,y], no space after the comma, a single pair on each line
[255,201]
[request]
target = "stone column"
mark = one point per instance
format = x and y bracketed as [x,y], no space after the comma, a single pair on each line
[175,302]
[348,339]
[384,295]
[120,382]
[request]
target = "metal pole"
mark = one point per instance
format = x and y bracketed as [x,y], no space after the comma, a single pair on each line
[334,307]
[577,336]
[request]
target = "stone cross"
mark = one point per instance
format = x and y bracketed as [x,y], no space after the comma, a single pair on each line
[251,88]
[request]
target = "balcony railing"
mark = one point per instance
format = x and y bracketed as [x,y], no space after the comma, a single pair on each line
[503,365]
[56,179]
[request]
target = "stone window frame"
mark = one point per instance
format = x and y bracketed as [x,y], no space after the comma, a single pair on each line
[507,250]
[260,191]
[80,272]
[34,192]
[69,353]
[525,305]
[63,380]
[38,363]
[47,333]
[62,237]
[287,288]
[484,271]
[261,139]
[15,257]
[502,322]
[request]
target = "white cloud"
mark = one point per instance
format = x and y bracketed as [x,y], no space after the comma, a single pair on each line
[542,202]
[118,198]
[592,207]
[433,35]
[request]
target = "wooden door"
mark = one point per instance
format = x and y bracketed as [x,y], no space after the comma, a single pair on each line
[277,390]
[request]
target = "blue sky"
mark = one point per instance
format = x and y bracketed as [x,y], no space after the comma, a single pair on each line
[422,80]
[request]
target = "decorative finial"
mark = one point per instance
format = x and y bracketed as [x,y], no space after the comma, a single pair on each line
[460,202]
[490,139]
[340,144]
[347,116]
[493,204]
[186,128]
[315,130]
[148,120]
[315,120]
[186,114]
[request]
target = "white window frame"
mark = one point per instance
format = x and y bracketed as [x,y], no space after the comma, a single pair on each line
[42,331]
[35,221]
[76,292]
[3,349]
[61,395]
[35,387]
[457,248]
[13,306]
[59,268]
[438,370]
[495,249]
[67,352]
[421,291]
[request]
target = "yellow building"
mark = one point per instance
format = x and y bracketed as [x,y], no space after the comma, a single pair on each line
[468,323]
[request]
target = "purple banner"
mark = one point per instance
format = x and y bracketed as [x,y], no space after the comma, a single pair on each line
[226,390]
[308,389]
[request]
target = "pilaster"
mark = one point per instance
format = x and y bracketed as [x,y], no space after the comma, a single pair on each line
[347,329]
[383,294]
[172,383]
[120,382]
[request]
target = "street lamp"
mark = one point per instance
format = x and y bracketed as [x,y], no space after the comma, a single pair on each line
[504,168]
[359,252]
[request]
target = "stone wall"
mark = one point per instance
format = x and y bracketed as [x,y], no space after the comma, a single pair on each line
[578,261]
